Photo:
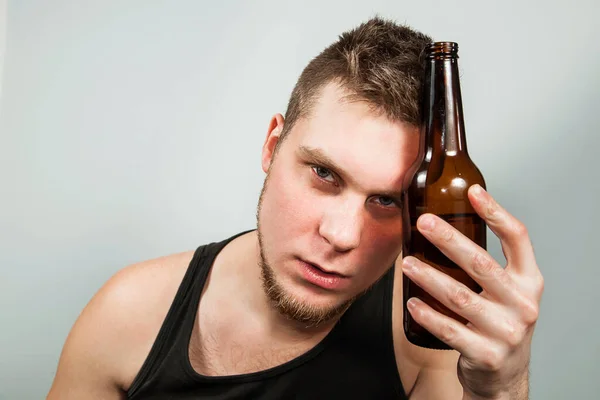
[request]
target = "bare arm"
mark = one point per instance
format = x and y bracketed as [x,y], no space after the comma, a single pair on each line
[86,368]
[426,374]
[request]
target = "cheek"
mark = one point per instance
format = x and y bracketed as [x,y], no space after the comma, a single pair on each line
[289,201]
[383,243]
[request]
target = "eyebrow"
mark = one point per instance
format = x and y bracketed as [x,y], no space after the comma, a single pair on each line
[317,156]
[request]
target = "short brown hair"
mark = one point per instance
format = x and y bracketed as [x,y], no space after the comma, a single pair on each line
[379,62]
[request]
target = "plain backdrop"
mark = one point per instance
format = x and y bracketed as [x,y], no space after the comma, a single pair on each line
[2,40]
[131,130]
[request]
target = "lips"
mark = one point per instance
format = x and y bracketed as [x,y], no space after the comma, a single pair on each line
[320,277]
[317,266]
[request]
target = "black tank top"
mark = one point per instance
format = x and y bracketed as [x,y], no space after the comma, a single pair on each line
[354,361]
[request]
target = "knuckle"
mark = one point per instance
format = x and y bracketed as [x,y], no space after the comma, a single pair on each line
[513,335]
[492,359]
[448,332]
[447,235]
[461,298]
[483,265]
[520,230]
[539,284]
[491,210]
[530,312]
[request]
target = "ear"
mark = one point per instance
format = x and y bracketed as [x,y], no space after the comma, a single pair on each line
[273,134]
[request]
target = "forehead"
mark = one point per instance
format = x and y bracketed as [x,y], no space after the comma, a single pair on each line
[366,144]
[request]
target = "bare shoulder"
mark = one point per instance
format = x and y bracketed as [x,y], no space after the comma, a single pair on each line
[136,301]
[415,362]
[114,333]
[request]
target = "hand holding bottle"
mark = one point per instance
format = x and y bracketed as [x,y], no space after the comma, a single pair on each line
[495,344]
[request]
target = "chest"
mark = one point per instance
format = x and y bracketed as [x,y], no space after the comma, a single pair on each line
[336,370]
[213,356]
[224,352]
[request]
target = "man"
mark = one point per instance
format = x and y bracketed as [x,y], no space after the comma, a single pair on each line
[309,305]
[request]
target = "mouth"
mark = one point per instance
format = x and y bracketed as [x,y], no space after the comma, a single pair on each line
[323,270]
[325,279]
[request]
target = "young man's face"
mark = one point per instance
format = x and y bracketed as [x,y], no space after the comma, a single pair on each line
[343,218]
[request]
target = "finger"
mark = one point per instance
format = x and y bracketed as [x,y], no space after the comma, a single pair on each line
[456,335]
[480,312]
[474,260]
[512,233]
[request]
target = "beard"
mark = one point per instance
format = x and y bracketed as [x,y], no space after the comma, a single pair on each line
[309,315]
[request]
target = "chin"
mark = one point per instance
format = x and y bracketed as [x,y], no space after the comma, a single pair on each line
[317,297]
[301,301]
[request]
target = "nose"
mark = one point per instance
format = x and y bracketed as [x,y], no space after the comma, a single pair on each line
[341,225]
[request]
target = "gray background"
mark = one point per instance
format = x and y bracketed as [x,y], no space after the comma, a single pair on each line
[133,129]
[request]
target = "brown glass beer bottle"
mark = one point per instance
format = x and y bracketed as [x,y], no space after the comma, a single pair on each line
[437,183]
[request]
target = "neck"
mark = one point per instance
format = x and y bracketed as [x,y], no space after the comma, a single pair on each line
[444,106]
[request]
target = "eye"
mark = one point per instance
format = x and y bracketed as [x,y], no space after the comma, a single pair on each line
[388,202]
[323,173]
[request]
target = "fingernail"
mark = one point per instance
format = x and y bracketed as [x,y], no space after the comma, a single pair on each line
[478,190]
[411,303]
[409,265]
[426,222]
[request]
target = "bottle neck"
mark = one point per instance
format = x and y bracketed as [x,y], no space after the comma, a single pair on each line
[445,130]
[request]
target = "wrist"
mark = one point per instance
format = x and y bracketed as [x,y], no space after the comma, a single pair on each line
[518,391]
[483,388]
[504,396]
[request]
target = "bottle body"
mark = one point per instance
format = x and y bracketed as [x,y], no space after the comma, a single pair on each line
[446,198]
[438,183]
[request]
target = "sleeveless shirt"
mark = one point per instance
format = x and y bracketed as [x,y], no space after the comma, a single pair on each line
[354,361]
